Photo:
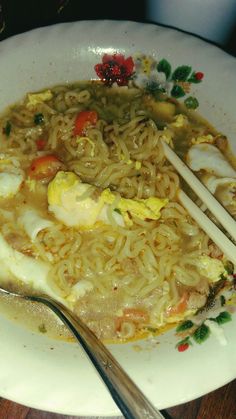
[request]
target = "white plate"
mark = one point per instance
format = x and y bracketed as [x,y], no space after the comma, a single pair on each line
[62,380]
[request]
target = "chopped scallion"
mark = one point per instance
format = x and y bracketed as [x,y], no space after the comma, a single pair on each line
[38,118]
[7,129]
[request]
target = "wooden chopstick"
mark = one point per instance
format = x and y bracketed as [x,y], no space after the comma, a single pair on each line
[218,237]
[201,191]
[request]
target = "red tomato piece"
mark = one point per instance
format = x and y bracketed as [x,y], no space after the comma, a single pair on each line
[45,167]
[83,120]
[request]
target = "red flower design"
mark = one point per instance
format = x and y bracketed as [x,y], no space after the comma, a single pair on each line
[115,69]
[199,75]
[183,347]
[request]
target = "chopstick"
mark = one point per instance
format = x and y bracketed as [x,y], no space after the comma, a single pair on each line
[222,241]
[219,238]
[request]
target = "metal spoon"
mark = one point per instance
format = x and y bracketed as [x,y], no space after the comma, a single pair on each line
[128,397]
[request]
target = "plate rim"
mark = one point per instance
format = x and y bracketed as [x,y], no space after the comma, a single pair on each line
[21,38]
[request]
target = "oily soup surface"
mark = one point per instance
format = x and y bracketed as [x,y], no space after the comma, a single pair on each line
[89,210]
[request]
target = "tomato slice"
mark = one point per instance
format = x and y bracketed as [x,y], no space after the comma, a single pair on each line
[83,120]
[45,167]
[41,143]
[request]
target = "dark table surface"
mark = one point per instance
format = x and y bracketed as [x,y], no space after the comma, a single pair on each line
[220,404]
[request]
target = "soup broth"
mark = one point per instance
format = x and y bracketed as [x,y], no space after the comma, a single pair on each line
[89,210]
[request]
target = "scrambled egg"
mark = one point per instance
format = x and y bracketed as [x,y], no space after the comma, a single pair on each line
[141,208]
[83,205]
[210,268]
[180,121]
[11,177]
[35,98]
[203,139]
[209,158]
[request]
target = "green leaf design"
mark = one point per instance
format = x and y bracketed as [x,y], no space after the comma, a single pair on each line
[201,334]
[223,317]
[164,67]
[153,87]
[181,73]
[177,91]
[184,326]
[191,102]
[222,300]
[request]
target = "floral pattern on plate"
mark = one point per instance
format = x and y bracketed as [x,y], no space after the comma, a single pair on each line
[151,75]
[210,319]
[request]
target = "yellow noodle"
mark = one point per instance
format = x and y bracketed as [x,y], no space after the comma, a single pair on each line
[145,266]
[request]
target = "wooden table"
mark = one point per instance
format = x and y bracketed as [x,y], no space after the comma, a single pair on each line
[220,404]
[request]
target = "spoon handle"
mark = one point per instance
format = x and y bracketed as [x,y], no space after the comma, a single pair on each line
[130,400]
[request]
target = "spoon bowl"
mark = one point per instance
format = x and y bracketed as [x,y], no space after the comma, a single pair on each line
[131,401]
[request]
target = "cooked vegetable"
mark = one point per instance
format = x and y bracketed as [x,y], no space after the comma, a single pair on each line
[45,167]
[83,120]
[38,118]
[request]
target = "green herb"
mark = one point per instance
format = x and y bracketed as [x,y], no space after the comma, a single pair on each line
[117,210]
[201,333]
[42,328]
[184,326]
[223,318]
[191,102]
[154,87]
[177,91]
[181,73]
[164,67]
[222,300]
[7,129]
[38,118]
